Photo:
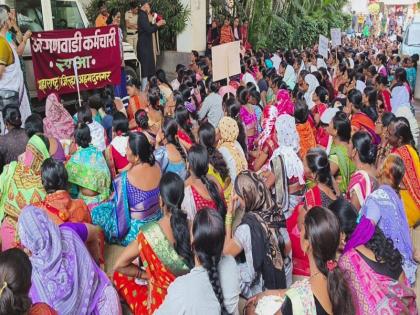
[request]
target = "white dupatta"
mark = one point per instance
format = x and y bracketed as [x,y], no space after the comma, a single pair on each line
[12,79]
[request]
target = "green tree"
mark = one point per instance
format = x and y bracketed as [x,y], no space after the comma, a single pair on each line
[288,23]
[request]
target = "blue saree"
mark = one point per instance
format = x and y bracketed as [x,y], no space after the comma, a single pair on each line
[161,156]
[115,216]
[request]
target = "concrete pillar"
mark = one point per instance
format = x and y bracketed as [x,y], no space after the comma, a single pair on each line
[194,36]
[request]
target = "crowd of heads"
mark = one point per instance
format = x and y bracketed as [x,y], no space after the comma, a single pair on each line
[261,112]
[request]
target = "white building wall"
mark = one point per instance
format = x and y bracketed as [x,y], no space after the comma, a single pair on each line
[360,6]
[194,35]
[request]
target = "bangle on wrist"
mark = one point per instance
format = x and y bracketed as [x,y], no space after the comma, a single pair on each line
[228,220]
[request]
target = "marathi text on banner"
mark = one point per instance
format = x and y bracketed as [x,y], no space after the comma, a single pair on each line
[64,81]
[95,52]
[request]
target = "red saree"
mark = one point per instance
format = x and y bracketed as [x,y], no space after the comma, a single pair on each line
[244,32]
[321,135]
[202,202]
[300,259]
[386,96]
[184,136]
[109,158]
[146,299]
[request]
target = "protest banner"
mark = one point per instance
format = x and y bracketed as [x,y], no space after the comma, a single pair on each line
[94,52]
[335,37]
[226,60]
[323,46]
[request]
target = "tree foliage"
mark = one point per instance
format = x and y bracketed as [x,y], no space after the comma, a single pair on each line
[287,23]
[175,14]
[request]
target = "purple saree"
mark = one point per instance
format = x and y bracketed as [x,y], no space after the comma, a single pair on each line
[64,274]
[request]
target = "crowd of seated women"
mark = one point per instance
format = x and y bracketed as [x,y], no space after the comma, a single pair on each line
[289,190]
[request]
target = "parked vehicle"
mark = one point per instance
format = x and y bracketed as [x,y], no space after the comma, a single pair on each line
[411,41]
[47,15]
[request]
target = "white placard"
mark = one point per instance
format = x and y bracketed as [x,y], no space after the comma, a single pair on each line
[323,46]
[335,37]
[226,60]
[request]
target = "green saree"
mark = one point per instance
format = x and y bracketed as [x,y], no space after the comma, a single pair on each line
[21,185]
[339,156]
[87,168]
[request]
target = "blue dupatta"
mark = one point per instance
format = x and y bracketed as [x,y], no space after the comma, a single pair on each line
[122,209]
[161,156]
[114,216]
[147,208]
[385,207]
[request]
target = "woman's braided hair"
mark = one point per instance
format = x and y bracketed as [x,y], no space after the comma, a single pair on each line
[170,130]
[208,240]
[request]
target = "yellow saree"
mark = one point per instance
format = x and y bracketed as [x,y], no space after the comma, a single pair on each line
[410,195]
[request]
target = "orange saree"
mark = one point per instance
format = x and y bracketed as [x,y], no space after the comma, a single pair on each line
[362,122]
[41,309]
[162,265]
[135,103]
[226,35]
[61,208]
[307,138]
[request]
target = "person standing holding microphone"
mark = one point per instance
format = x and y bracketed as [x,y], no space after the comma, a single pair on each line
[145,52]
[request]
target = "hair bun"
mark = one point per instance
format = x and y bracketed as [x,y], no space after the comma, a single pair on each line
[15,120]
[12,116]
[152,159]
[22,303]
[373,150]
[210,150]
[323,164]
